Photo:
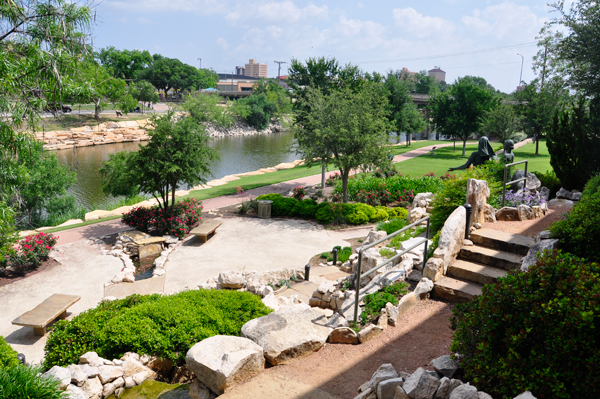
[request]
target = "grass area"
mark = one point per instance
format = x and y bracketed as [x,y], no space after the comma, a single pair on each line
[446,157]
[67,121]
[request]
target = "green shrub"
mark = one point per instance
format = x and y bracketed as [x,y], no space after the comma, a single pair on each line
[8,356]
[283,206]
[579,232]
[435,241]
[396,241]
[386,252]
[398,212]
[592,186]
[23,382]
[391,226]
[534,331]
[344,254]
[269,197]
[260,110]
[380,215]
[550,181]
[325,213]
[358,218]
[305,209]
[398,288]
[375,302]
[165,326]
[395,184]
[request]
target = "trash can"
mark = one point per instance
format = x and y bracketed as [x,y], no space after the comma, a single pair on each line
[264,209]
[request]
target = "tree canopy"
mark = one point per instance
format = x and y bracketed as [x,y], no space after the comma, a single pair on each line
[403,113]
[170,73]
[124,64]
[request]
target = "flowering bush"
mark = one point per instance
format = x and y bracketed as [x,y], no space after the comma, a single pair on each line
[332,179]
[299,193]
[528,198]
[185,216]
[430,174]
[239,190]
[31,252]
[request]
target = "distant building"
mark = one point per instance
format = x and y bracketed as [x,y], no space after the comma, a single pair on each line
[240,70]
[255,69]
[406,74]
[437,74]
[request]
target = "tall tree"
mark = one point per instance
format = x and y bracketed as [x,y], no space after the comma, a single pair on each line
[170,73]
[500,122]
[349,125]
[144,91]
[457,111]
[403,113]
[124,64]
[103,88]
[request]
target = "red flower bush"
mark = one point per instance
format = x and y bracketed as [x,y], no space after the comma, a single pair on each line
[31,252]
[185,216]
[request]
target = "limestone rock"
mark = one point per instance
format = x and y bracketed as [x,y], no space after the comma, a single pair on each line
[109,373]
[382,321]
[489,214]
[407,302]
[445,366]
[367,394]
[560,203]
[89,370]
[525,395]
[387,389]
[343,335]
[265,290]
[544,235]
[532,183]
[400,393]
[222,361]
[434,269]
[531,258]
[288,333]
[478,193]
[451,237]
[424,287]
[271,301]
[78,376]
[464,391]
[483,395]
[421,385]
[92,388]
[373,236]
[525,212]
[545,193]
[392,314]
[142,376]
[369,333]
[61,374]
[443,390]
[92,359]
[337,321]
[416,214]
[132,366]
[161,366]
[414,275]
[231,279]
[74,392]
[111,387]
[129,382]
[384,372]
[200,391]
[564,194]
[422,200]
[507,214]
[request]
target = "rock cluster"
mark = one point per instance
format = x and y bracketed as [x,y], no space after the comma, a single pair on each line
[104,133]
[449,245]
[387,383]
[421,207]
[97,378]
[543,241]
[240,128]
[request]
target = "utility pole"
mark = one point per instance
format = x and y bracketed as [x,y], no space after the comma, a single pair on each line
[200,59]
[279,69]
[521,75]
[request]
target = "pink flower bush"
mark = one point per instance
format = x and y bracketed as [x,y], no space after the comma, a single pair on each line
[185,216]
[31,251]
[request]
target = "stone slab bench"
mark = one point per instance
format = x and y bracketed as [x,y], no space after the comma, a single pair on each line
[52,308]
[207,228]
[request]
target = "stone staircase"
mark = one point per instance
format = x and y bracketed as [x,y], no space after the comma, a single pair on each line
[493,254]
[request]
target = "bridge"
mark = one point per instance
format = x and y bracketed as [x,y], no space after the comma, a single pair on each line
[418,99]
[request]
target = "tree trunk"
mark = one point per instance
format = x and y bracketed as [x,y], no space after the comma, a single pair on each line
[322,175]
[97,110]
[464,145]
[345,174]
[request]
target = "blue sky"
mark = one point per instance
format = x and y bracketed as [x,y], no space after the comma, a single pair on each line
[377,35]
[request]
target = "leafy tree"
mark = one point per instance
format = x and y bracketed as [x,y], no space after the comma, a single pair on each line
[205,107]
[104,88]
[403,113]
[144,91]
[573,144]
[260,110]
[177,153]
[170,73]
[500,122]
[275,94]
[458,111]
[349,125]
[124,64]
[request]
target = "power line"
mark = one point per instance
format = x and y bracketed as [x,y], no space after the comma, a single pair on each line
[489,50]
[483,65]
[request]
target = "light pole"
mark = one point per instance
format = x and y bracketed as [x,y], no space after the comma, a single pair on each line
[521,75]
[200,59]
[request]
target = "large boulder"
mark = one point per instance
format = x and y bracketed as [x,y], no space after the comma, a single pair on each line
[525,395]
[464,391]
[422,200]
[368,333]
[451,238]
[384,372]
[489,214]
[421,385]
[61,374]
[391,389]
[507,214]
[532,183]
[288,333]
[93,388]
[373,236]
[343,335]
[525,212]
[223,361]
[92,359]
[231,279]
[445,366]
[109,373]
[531,258]
[478,193]
[78,376]
[416,214]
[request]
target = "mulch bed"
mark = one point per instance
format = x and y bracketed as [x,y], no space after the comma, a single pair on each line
[7,276]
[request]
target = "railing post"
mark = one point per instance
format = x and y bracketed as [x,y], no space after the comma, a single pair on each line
[469,210]
[306,272]
[425,249]
[504,186]
[357,288]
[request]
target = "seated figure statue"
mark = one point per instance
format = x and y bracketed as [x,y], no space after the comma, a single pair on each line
[484,153]
[509,156]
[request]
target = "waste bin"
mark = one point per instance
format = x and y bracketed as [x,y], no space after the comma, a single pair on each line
[264,209]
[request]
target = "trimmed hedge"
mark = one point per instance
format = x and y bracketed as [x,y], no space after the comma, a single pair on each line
[8,356]
[535,331]
[165,326]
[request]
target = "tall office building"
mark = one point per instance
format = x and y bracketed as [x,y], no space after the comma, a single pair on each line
[255,69]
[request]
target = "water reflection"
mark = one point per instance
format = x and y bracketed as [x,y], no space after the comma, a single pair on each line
[238,154]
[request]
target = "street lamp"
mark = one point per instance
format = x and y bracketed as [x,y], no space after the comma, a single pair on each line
[521,76]
[200,59]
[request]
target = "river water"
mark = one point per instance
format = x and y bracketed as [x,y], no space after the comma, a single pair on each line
[238,154]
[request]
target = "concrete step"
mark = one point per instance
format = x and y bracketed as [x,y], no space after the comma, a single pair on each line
[454,290]
[476,272]
[502,241]
[491,257]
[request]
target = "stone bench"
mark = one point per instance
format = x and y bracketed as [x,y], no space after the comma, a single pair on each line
[52,308]
[206,228]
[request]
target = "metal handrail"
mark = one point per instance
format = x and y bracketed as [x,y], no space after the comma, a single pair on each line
[364,248]
[504,184]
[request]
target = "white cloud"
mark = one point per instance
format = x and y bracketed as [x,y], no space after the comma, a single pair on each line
[275,31]
[420,25]
[206,7]
[281,11]
[223,43]
[505,20]
[142,20]
[362,34]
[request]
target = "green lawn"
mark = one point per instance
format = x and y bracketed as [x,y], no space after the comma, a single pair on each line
[446,157]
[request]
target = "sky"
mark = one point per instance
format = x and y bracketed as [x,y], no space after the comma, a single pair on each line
[462,37]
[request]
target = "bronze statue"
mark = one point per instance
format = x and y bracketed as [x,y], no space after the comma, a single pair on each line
[509,156]
[484,153]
